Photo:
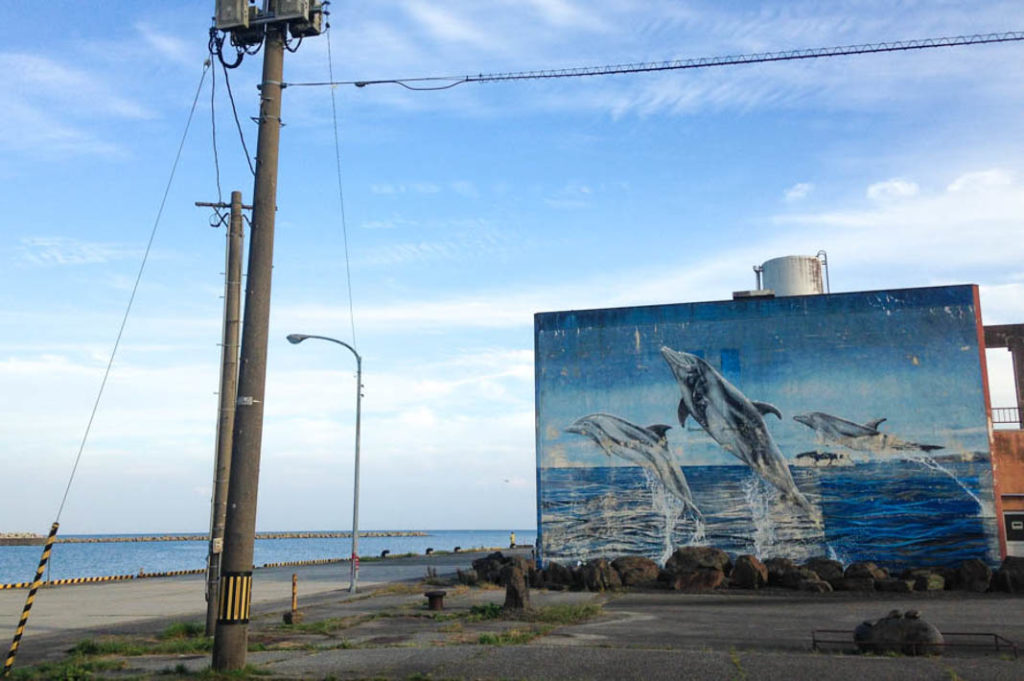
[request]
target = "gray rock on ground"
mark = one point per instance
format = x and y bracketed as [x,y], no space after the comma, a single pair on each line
[897,632]
[636,570]
[748,573]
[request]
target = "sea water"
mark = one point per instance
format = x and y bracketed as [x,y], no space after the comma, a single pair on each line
[18,563]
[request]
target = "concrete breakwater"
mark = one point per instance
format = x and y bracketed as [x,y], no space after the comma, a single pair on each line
[259,535]
[21,539]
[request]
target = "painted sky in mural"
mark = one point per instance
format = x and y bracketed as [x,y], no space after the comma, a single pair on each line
[887,383]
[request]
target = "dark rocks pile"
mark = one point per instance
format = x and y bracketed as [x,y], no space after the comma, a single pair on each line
[705,568]
[904,633]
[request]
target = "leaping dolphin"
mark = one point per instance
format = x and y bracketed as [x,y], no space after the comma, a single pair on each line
[863,438]
[647,447]
[734,422]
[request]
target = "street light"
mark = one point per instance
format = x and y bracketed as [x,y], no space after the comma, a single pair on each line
[295,339]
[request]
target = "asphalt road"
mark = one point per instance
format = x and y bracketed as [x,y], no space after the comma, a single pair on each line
[734,635]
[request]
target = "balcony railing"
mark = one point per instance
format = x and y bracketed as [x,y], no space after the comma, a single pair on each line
[1006,415]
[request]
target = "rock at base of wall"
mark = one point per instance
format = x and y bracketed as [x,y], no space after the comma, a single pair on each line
[748,573]
[690,558]
[818,586]
[636,570]
[895,585]
[855,584]
[865,569]
[1010,575]
[791,578]
[556,574]
[599,575]
[777,568]
[826,568]
[974,575]
[699,580]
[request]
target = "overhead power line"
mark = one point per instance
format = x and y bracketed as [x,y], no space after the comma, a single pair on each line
[445,82]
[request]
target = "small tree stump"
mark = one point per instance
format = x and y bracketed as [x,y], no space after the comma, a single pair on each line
[517,591]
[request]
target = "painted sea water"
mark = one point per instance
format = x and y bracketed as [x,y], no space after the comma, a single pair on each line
[878,511]
[18,563]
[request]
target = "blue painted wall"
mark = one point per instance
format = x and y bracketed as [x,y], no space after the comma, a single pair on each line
[914,489]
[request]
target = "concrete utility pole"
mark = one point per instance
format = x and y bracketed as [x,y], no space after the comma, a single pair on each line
[249,26]
[235,240]
[231,639]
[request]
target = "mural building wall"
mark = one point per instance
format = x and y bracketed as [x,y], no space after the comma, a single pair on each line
[850,425]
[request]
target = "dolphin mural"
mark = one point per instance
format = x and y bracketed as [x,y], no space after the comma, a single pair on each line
[647,447]
[863,438]
[734,422]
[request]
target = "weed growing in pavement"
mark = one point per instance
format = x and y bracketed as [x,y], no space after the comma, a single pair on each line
[741,673]
[75,668]
[511,637]
[183,630]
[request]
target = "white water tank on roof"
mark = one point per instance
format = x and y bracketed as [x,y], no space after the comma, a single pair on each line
[793,275]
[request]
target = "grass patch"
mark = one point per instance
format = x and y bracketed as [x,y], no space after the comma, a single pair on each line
[76,668]
[512,637]
[487,611]
[183,630]
[126,646]
[564,613]
[330,625]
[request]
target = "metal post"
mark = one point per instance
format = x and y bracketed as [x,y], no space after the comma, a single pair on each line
[229,646]
[354,567]
[354,559]
[226,407]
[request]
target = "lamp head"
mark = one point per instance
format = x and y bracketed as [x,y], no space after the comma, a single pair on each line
[297,337]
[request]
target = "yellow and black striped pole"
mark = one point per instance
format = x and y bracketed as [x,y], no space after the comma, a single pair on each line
[31,598]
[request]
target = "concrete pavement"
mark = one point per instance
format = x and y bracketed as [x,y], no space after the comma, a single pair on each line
[386,633]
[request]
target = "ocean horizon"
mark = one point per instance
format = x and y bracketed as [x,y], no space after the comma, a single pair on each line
[70,561]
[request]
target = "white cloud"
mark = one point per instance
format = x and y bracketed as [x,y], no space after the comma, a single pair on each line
[981,181]
[895,188]
[799,191]
[68,251]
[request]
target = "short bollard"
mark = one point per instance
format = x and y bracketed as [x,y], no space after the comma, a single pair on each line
[435,600]
[295,615]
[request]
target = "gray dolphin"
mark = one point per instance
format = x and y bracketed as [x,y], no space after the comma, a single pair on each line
[734,422]
[863,438]
[647,447]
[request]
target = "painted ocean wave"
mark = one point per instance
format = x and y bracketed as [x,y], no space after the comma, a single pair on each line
[879,511]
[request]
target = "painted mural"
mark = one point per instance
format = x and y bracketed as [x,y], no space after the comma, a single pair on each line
[848,425]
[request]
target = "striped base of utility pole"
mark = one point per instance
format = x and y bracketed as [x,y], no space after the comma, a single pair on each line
[9,663]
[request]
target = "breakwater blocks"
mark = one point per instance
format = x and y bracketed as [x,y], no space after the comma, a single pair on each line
[201,537]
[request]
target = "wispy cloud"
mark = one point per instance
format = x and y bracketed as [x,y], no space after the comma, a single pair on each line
[798,191]
[896,188]
[68,251]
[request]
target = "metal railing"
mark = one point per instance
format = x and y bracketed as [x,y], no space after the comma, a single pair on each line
[1006,415]
[966,643]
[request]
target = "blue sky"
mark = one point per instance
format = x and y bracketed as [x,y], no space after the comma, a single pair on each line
[468,211]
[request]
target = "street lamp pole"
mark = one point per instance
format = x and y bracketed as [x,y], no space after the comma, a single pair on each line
[297,338]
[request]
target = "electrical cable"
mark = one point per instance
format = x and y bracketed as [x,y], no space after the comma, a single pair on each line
[341,194]
[680,64]
[238,124]
[213,128]
[135,288]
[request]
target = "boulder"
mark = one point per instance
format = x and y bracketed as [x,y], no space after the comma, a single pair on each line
[865,569]
[855,584]
[467,577]
[897,632]
[974,575]
[826,568]
[895,585]
[690,558]
[489,568]
[556,574]
[701,579]
[636,570]
[599,575]
[748,573]
[517,591]
[818,586]
[777,567]
[792,577]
